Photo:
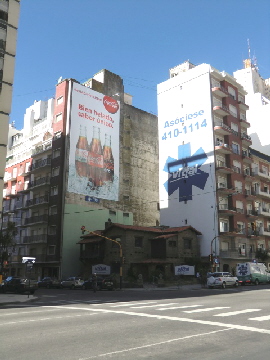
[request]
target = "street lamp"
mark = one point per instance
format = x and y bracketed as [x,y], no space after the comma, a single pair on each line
[120,252]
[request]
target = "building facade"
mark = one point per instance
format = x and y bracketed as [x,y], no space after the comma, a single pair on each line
[147,251]
[81,158]
[9,18]
[209,178]
[258,100]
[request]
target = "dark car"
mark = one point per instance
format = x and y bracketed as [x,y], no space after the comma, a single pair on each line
[102,284]
[49,282]
[19,285]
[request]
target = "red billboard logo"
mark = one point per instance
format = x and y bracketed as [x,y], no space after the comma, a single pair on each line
[110,104]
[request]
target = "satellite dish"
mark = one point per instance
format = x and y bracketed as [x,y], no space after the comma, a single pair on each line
[59,80]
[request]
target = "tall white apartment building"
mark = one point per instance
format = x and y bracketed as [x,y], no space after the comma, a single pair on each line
[9,17]
[258,100]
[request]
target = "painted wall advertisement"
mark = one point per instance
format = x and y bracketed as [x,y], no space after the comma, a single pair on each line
[186,151]
[94,144]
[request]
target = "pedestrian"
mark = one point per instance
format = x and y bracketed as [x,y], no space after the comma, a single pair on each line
[94,282]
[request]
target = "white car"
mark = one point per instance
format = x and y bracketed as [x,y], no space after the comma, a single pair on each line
[72,283]
[221,279]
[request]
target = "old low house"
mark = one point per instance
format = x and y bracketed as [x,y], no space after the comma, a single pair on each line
[146,250]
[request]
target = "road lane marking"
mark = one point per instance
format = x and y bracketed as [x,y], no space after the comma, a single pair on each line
[149,306]
[27,312]
[179,307]
[261,318]
[42,319]
[173,318]
[206,309]
[128,303]
[232,313]
[154,344]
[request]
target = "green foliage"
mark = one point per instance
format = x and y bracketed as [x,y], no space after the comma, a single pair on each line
[262,255]
[7,239]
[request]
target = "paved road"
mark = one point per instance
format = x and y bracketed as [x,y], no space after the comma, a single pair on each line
[78,325]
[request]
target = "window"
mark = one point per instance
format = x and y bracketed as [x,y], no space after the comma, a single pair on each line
[52,230]
[51,250]
[172,243]
[125,214]
[55,171]
[54,190]
[233,110]
[56,153]
[187,244]
[53,210]
[232,93]
[235,148]
[60,100]
[58,117]
[223,225]
[139,242]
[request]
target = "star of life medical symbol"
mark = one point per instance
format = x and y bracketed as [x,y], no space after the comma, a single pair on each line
[185,172]
[242,270]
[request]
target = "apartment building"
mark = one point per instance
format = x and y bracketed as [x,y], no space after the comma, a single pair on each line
[209,177]
[9,18]
[258,100]
[83,157]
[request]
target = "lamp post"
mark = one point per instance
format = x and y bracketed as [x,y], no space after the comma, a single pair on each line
[120,252]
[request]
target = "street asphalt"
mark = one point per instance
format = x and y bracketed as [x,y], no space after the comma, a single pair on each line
[9,298]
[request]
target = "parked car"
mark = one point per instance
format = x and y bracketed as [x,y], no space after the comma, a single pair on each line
[49,282]
[72,282]
[221,279]
[19,285]
[102,284]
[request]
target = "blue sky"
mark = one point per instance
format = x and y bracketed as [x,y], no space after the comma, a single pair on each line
[136,39]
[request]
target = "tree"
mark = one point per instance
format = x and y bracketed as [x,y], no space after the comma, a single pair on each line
[6,240]
[262,255]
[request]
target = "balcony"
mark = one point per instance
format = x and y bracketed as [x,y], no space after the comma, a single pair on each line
[222,167]
[241,103]
[246,139]
[221,128]
[252,213]
[237,254]
[38,201]
[250,194]
[266,232]
[40,182]
[246,156]
[263,174]
[88,254]
[221,109]
[42,148]
[36,219]
[264,211]
[22,187]
[264,193]
[24,170]
[35,239]
[40,164]
[226,209]
[243,121]
[222,148]
[223,188]
[219,90]
[9,192]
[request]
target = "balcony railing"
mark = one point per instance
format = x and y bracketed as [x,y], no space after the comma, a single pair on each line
[42,148]
[36,219]
[41,163]
[42,181]
[237,253]
[37,201]
[41,238]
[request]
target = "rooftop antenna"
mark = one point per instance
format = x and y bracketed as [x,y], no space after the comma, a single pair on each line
[248,49]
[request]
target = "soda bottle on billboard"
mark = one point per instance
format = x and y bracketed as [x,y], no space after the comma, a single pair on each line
[81,153]
[95,159]
[108,160]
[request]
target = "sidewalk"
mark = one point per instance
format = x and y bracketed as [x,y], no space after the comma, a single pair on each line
[16,299]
